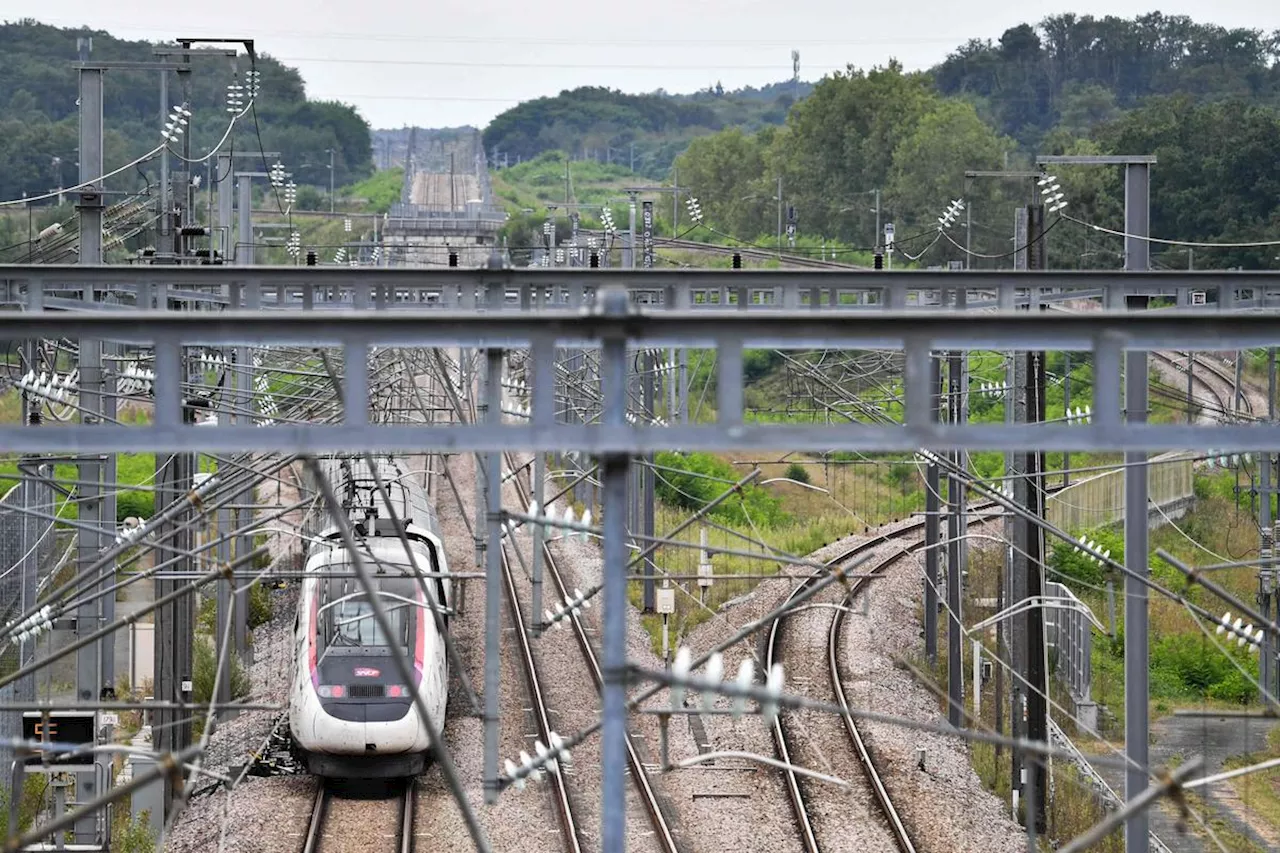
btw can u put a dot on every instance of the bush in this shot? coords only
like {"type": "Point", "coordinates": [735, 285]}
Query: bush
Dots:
{"type": "Point", "coordinates": [1077, 570]}
{"type": "Point", "coordinates": [696, 479]}
{"type": "Point", "coordinates": [797, 472]}
{"type": "Point", "coordinates": [259, 605]}
{"type": "Point", "coordinates": [259, 610]}
{"type": "Point", "coordinates": [135, 504]}
{"type": "Point", "coordinates": [204, 668]}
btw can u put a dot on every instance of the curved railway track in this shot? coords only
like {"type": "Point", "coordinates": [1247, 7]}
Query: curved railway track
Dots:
{"type": "Point", "coordinates": [339, 825]}
{"type": "Point", "coordinates": [663, 833]}
{"type": "Point", "coordinates": [1223, 389]}
{"type": "Point", "coordinates": [773, 652]}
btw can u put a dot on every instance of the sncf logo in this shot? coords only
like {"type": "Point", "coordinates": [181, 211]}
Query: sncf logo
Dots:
{"type": "Point", "coordinates": [367, 672]}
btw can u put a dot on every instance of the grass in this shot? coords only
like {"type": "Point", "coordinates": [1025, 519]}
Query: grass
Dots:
{"type": "Point", "coordinates": [860, 496]}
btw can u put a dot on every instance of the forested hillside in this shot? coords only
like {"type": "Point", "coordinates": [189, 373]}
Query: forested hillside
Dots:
{"type": "Point", "coordinates": [1076, 70]}
{"type": "Point", "coordinates": [39, 125]}
{"type": "Point", "coordinates": [610, 126]}
{"type": "Point", "coordinates": [1204, 100]}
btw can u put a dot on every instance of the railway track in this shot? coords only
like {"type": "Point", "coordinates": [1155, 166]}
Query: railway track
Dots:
{"type": "Point", "coordinates": [1222, 389]}
{"type": "Point", "coordinates": [663, 833]}
{"type": "Point", "coordinates": [343, 825]}
{"type": "Point", "coordinates": [757, 255]}
{"type": "Point", "coordinates": [537, 697]}
{"type": "Point", "coordinates": [773, 652]}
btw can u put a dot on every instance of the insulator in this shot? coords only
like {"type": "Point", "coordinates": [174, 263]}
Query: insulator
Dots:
{"type": "Point", "coordinates": [679, 672]}
{"type": "Point", "coordinates": [746, 674]}
{"type": "Point", "coordinates": [714, 674]}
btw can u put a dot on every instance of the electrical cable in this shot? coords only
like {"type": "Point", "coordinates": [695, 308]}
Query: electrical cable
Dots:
{"type": "Point", "coordinates": [1259, 244]}
{"type": "Point", "coordinates": [83, 184]}
{"type": "Point", "coordinates": [1044, 233]}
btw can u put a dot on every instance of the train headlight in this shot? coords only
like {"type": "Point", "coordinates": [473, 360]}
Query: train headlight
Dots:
{"type": "Point", "coordinates": [330, 691]}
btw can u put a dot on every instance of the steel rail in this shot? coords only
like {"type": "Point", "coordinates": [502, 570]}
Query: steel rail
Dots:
{"type": "Point", "coordinates": [1223, 411]}
{"type": "Point", "coordinates": [313, 839]}
{"type": "Point", "coordinates": [560, 789]}
{"type": "Point", "coordinates": [640, 776]}
{"type": "Point", "coordinates": [407, 802]}
{"type": "Point", "coordinates": [773, 654]}
{"type": "Point", "coordinates": [315, 826]}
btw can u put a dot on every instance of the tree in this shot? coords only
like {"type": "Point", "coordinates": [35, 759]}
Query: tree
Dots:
{"type": "Point", "coordinates": [723, 170]}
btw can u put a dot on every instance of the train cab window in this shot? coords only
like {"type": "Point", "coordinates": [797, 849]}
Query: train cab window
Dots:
{"type": "Point", "coordinates": [350, 623]}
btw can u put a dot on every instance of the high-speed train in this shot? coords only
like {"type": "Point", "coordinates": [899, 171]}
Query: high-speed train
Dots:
{"type": "Point", "coordinates": [351, 715]}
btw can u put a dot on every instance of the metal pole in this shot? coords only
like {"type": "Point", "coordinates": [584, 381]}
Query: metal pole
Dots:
{"type": "Point", "coordinates": [1066, 403]}
{"type": "Point", "coordinates": [493, 582]}
{"type": "Point", "coordinates": [647, 485]}
{"type": "Point", "coordinates": [166, 204]}
{"type": "Point", "coordinates": [630, 260]}
{"type": "Point", "coordinates": [244, 253]}
{"type": "Point", "coordinates": [1266, 571]}
{"type": "Point", "coordinates": [89, 493]}
{"type": "Point", "coordinates": [879, 236]}
{"type": "Point", "coordinates": [539, 532]}
{"type": "Point", "coordinates": [613, 374]}
{"type": "Point", "coordinates": [779, 216]}
{"type": "Point", "coordinates": [932, 537]}
{"type": "Point", "coordinates": [222, 176]}
{"type": "Point", "coordinates": [331, 178]}
{"type": "Point", "coordinates": [1137, 213]}
{"type": "Point", "coordinates": [955, 501]}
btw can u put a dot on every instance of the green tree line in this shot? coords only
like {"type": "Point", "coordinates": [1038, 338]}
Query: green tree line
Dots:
{"type": "Point", "coordinates": [39, 134]}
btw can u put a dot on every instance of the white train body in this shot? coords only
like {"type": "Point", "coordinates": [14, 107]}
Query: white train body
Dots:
{"type": "Point", "coordinates": [351, 715]}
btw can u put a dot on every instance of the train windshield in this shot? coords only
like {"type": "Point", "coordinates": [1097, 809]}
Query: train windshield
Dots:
{"type": "Point", "coordinates": [350, 623]}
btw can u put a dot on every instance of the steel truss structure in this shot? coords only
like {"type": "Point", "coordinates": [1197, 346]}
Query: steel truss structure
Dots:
{"type": "Point", "coordinates": [1106, 336]}
{"type": "Point", "coordinates": [547, 318]}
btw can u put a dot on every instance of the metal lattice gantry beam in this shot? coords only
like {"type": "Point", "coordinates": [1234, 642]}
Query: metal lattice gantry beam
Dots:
{"type": "Point", "coordinates": [335, 288]}
{"type": "Point", "coordinates": [1106, 336]}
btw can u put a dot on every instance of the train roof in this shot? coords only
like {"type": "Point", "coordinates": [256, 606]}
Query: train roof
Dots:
{"type": "Point", "coordinates": [357, 488]}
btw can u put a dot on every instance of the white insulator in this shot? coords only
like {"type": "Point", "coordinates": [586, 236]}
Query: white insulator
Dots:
{"type": "Point", "coordinates": [1248, 632]}
{"type": "Point", "coordinates": [514, 775]}
{"type": "Point", "coordinates": [533, 773]}
{"type": "Point", "coordinates": [586, 522]}
{"type": "Point", "coordinates": [568, 514]}
{"type": "Point", "coordinates": [714, 674]}
{"type": "Point", "coordinates": [1257, 638]}
{"type": "Point", "coordinates": [773, 687]}
{"type": "Point", "coordinates": [1226, 620]}
{"type": "Point", "coordinates": [533, 509]}
{"type": "Point", "coordinates": [562, 754]}
{"type": "Point", "coordinates": [1106, 555]}
{"type": "Point", "coordinates": [679, 672]}
{"type": "Point", "coordinates": [746, 674]}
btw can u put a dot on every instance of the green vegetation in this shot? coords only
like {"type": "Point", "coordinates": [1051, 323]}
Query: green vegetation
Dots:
{"type": "Point", "coordinates": [1187, 665]}
{"type": "Point", "coordinates": [608, 126]}
{"type": "Point", "coordinates": [205, 672]}
{"type": "Point", "coordinates": [693, 480]}
{"type": "Point", "coordinates": [379, 191]}
{"type": "Point", "coordinates": [38, 119]}
{"type": "Point", "coordinates": [131, 834]}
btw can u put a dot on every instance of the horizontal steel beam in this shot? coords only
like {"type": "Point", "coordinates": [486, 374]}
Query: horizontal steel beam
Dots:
{"type": "Point", "coordinates": [37, 288]}
{"type": "Point", "coordinates": [918, 334]}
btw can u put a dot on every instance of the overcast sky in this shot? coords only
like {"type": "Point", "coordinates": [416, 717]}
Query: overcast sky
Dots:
{"type": "Point", "coordinates": [446, 62]}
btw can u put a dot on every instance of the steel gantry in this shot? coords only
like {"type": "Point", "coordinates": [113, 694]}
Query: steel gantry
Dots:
{"type": "Point", "coordinates": [605, 316]}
